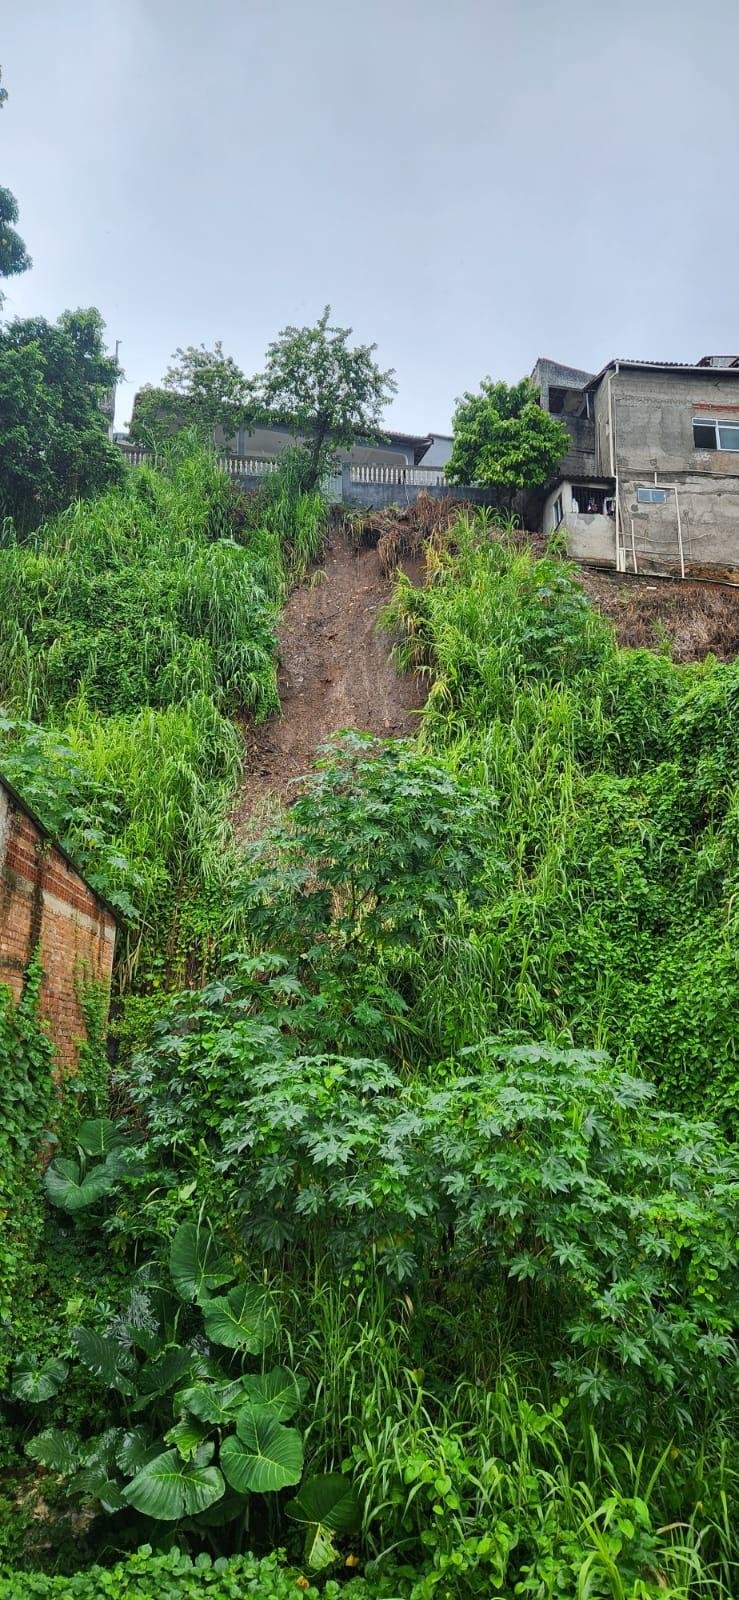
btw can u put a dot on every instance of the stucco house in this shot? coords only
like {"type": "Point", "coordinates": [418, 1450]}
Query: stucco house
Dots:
{"type": "Point", "coordinates": [651, 480]}
{"type": "Point", "coordinates": [394, 449]}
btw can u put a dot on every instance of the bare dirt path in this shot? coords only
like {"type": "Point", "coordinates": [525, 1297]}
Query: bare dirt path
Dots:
{"type": "Point", "coordinates": [335, 673]}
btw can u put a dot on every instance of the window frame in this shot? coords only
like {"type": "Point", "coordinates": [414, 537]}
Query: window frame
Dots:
{"type": "Point", "coordinates": [717, 423]}
{"type": "Point", "coordinates": [558, 512]}
{"type": "Point", "coordinates": [650, 494]}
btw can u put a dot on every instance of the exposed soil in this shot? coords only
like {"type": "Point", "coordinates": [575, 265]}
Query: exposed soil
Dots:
{"type": "Point", "coordinates": [693, 619]}
{"type": "Point", "coordinates": [335, 672]}
{"type": "Point", "coordinates": [336, 669]}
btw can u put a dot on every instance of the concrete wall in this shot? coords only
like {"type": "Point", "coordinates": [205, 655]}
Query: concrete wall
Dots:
{"type": "Point", "coordinates": [439, 451]}
{"type": "Point", "coordinates": [589, 538]}
{"type": "Point", "coordinates": [580, 461]}
{"type": "Point", "coordinates": [653, 443]}
{"type": "Point", "coordinates": [44, 902]}
{"type": "Point", "coordinates": [377, 495]}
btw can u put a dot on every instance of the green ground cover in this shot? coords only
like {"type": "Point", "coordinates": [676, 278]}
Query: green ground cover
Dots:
{"type": "Point", "coordinates": [410, 1245]}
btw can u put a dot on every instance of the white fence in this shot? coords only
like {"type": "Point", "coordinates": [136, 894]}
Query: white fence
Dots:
{"type": "Point", "coordinates": [235, 466]}
{"type": "Point", "coordinates": [418, 477]}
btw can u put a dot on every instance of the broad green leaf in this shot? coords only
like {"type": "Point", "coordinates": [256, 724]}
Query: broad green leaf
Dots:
{"type": "Point", "coordinates": [111, 1497]}
{"type": "Point", "coordinates": [67, 1189]}
{"type": "Point", "coordinates": [56, 1450]}
{"type": "Point", "coordinates": [225, 1510]}
{"type": "Point", "coordinates": [135, 1450]}
{"type": "Point", "coordinates": [212, 1402]}
{"type": "Point", "coordinates": [320, 1551]}
{"type": "Point", "coordinates": [169, 1488]}
{"type": "Point", "coordinates": [245, 1319]}
{"type": "Point", "coordinates": [106, 1357]}
{"type": "Point", "coordinates": [197, 1263]}
{"type": "Point", "coordinates": [156, 1377]}
{"type": "Point", "coordinates": [329, 1499]}
{"type": "Point", "coordinates": [99, 1135]}
{"type": "Point", "coordinates": [263, 1455]}
{"type": "Point", "coordinates": [187, 1435]}
{"type": "Point", "coordinates": [280, 1391]}
{"type": "Point", "coordinates": [36, 1381]}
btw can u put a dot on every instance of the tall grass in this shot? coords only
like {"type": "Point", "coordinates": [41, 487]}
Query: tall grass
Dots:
{"type": "Point", "coordinates": [131, 627]}
{"type": "Point", "coordinates": [502, 1487]}
{"type": "Point", "coordinates": [616, 775]}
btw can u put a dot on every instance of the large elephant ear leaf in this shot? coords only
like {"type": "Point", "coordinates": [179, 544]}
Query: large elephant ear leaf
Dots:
{"type": "Point", "coordinates": [197, 1263]}
{"type": "Point", "coordinates": [326, 1505]}
{"type": "Point", "coordinates": [245, 1319]}
{"type": "Point", "coordinates": [99, 1135]}
{"type": "Point", "coordinates": [330, 1499]}
{"type": "Point", "coordinates": [169, 1488]}
{"type": "Point", "coordinates": [67, 1188]}
{"type": "Point", "coordinates": [106, 1358]}
{"type": "Point", "coordinates": [211, 1402]}
{"type": "Point", "coordinates": [58, 1451]}
{"type": "Point", "coordinates": [36, 1381]}
{"type": "Point", "coordinates": [280, 1390]}
{"type": "Point", "coordinates": [134, 1451]}
{"type": "Point", "coordinates": [262, 1456]}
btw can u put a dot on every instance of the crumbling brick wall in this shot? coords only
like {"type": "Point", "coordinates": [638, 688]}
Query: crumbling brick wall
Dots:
{"type": "Point", "coordinates": [46, 904]}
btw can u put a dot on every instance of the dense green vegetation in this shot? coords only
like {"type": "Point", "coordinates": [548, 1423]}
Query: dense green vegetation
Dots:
{"type": "Point", "coordinates": [409, 1242]}
{"type": "Point", "coordinates": [505, 440]}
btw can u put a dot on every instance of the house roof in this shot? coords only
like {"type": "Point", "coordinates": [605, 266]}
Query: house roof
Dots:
{"type": "Point", "coordinates": [700, 368]}
{"type": "Point", "coordinates": [47, 834]}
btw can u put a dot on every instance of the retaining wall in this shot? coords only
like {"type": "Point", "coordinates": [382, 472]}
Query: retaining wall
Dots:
{"type": "Point", "coordinates": [45, 904]}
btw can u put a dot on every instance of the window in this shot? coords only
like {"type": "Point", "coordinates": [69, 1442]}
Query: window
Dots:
{"type": "Point", "coordinates": [587, 500]}
{"type": "Point", "coordinates": [713, 435]}
{"type": "Point", "coordinates": [558, 511]}
{"type": "Point", "coordinates": [651, 497]}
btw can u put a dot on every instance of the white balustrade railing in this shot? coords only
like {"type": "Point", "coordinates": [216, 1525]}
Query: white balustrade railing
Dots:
{"type": "Point", "coordinates": [417, 477]}
{"type": "Point", "coordinates": [235, 466]}
{"type": "Point", "coordinates": [259, 466]}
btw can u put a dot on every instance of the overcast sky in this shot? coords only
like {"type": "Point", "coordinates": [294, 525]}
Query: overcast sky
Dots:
{"type": "Point", "coordinates": [469, 184]}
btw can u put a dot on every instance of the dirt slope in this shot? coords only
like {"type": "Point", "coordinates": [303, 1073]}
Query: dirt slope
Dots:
{"type": "Point", "coordinates": [692, 619]}
{"type": "Point", "coordinates": [335, 673]}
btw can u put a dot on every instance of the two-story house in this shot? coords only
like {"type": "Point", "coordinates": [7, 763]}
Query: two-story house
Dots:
{"type": "Point", "coordinates": [651, 481]}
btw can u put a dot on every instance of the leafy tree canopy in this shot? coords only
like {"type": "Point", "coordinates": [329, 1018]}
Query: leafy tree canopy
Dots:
{"type": "Point", "coordinates": [14, 257]}
{"type": "Point", "coordinates": [330, 392]}
{"type": "Point", "coordinates": [53, 436]}
{"type": "Point", "coordinates": [503, 438]}
{"type": "Point", "coordinates": [202, 389]}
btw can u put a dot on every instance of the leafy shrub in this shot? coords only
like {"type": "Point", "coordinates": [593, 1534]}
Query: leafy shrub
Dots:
{"type": "Point", "coordinates": [27, 1096]}
{"type": "Point", "coordinates": [194, 1435]}
{"type": "Point", "coordinates": [173, 1575]}
{"type": "Point", "coordinates": [496, 1165]}
{"type": "Point", "coordinates": [616, 775]}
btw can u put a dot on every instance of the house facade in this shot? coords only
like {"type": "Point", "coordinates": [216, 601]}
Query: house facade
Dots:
{"type": "Point", "coordinates": [651, 481]}
{"type": "Point", "coordinates": [394, 450]}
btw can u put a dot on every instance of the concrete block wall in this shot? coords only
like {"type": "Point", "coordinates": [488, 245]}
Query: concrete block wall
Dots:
{"type": "Point", "coordinates": [375, 496]}
{"type": "Point", "coordinates": [44, 902]}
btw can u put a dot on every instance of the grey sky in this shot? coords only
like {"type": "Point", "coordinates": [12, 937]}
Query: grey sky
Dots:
{"type": "Point", "coordinates": [471, 184]}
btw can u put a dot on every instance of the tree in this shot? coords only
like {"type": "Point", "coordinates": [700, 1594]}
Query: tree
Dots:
{"type": "Point", "coordinates": [503, 439]}
{"type": "Point", "coordinates": [329, 393]}
{"type": "Point", "coordinates": [202, 389]}
{"type": "Point", "coordinates": [54, 444]}
{"type": "Point", "coordinates": [14, 257]}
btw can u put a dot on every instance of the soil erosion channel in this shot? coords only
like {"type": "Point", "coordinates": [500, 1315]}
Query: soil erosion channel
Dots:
{"type": "Point", "coordinates": [335, 672]}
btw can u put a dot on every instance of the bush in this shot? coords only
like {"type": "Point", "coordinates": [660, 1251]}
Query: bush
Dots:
{"type": "Point", "coordinates": [173, 1575]}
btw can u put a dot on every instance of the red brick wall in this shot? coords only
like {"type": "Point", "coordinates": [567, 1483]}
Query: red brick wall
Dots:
{"type": "Point", "coordinates": [44, 901]}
